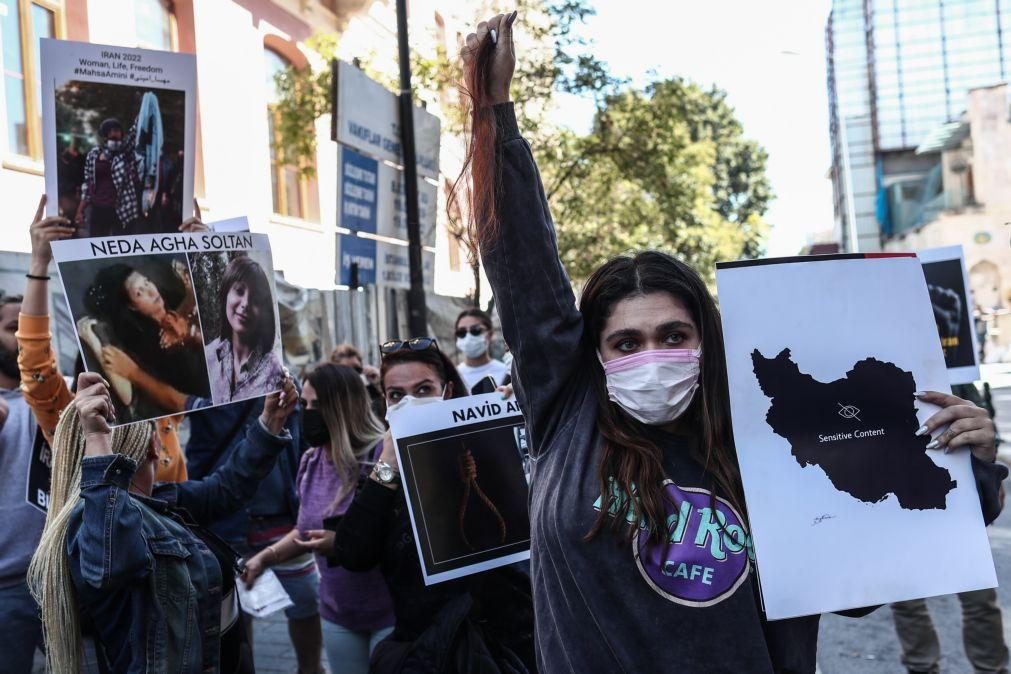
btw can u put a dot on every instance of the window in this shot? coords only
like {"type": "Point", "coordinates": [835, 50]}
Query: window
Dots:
{"type": "Point", "coordinates": [23, 24]}
{"type": "Point", "coordinates": [154, 24]}
{"type": "Point", "coordinates": [294, 195]}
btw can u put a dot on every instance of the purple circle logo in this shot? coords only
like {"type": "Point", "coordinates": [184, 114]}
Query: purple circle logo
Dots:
{"type": "Point", "coordinates": [706, 553]}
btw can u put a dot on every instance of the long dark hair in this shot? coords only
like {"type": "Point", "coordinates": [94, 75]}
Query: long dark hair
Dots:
{"type": "Point", "coordinates": [244, 269]}
{"type": "Point", "coordinates": [435, 359]}
{"type": "Point", "coordinates": [107, 297]}
{"type": "Point", "coordinates": [630, 457]}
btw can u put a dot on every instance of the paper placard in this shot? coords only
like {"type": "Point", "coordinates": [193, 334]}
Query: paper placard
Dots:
{"type": "Point", "coordinates": [951, 300]}
{"type": "Point", "coordinates": [267, 595]}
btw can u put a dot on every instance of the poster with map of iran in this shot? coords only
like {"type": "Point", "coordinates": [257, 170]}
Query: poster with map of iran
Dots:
{"type": "Point", "coordinates": [847, 506]}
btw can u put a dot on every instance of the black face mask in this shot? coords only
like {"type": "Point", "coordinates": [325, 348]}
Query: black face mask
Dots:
{"type": "Point", "coordinates": [314, 429]}
{"type": "Point", "coordinates": [9, 363]}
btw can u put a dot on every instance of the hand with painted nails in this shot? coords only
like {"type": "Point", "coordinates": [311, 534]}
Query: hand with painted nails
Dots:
{"type": "Point", "coordinates": [496, 36]}
{"type": "Point", "coordinates": [965, 424]}
{"type": "Point", "coordinates": [279, 405]}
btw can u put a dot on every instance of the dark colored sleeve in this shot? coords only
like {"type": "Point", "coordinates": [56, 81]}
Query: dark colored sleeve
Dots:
{"type": "Point", "coordinates": [108, 544]}
{"type": "Point", "coordinates": [232, 485]}
{"type": "Point", "coordinates": [533, 294]}
{"type": "Point", "coordinates": [989, 477]}
{"type": "Point", "coordinates": [364, 528]}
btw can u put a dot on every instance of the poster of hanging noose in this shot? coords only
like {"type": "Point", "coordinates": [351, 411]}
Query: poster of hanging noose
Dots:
{"type": "Point", "coordinates": [463, 468]}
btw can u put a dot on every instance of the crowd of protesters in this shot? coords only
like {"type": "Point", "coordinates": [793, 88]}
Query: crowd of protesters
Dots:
{"type": "Point", "coordinates": [136, 565]}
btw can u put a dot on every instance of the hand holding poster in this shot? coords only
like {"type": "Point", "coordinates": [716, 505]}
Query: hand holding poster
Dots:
{"type": "Point", "coordinates": [462, 465]}
{"type": "Point", "coordinates": [118, 136]}
{"type": "Point", "coordinates": [175, 321]}
{"type": "Point", "coordinates": [951, 300]}
{"type": "Point", "coordinates": [846, 502]}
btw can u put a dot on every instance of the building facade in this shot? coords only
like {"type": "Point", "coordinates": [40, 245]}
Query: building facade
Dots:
{"type": "Point", "coordinates": [239, 45]}
{"type": "Point", "coordinates": [897, 69]}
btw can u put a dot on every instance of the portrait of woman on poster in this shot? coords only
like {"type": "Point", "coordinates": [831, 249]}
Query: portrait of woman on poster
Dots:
{"type": "Point", "coordinates": [146, 312]}
{"type": "Point", "coordinates": [241, 362]}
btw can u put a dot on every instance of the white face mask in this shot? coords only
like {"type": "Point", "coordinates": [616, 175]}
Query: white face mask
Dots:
{"type": "Point", "coordinates": [411, 401]}
{"type": "Point", "coordinates": [654, 387]}
{"type": "Point", "coordinates": [472, 346]}
{"type": "Point", "coordinates": [112, 145]}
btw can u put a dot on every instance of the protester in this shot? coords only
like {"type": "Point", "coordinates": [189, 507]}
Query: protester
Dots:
{"type": "Point", "coordinates": [982, 621]}
{"type": "Point", "coordinates": [473, 339]}
{"type": "Point", "coordinates": [596, 437]}
{"type": "Point", "coordinates": [215, 436]}
{"type": "Point", "coordinates": [130, 561]}
{"type": "Point", "coordinates": [345, 438]}
{"type": "Point", "coordinates": [482, 622]}
{"type": "Point", "coordinates": [349, 356]}
{"type": "Point", "coordinates": [242, 358]}
{"type": "Point", "coordinates": [22, 523]}
{"type": "Point", "coordinates": [110, 203]}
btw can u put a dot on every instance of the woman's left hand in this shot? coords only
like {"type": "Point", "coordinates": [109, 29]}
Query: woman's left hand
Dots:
{"type": "Point", "coordinates": [506, 391]}
{"type": "Point", "coordinates": [194, 224]}
{"type": "Point", "coordinates": [277, 406]}
{"type": "Point", "coordinates": [116, 361]}
{"type": "Point", "coordinates": [319, 541]}
{"type": "Point", "coordinates": [969, 425]}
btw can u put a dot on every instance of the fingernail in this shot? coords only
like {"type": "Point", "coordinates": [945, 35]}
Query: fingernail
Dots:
{"type": "Point", "coordinates": [494, 36]}
{"type": "Point", "coordinates": [922, 430]}
{"type": "Point", "coordinates": [947, 450]}
{"type": "Point", "coordinates": [919, 394]}
{"type": "Point", "coordinates": [932, 444]}
{"type": "Point", "coordinates": [513, 15]}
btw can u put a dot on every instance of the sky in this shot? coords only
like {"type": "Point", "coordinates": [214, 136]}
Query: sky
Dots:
{"type": "Point", "coordinates": [768, 56]}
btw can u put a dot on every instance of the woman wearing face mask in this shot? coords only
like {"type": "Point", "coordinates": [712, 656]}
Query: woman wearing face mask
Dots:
{"type": "Point", "coordinates": [481, 622]}
{"type": "Point", "coordinates": [640, 551]}
{"type": "Point", "coordinates": [110, 183]}
{"type": "Point", "coordinates": [473, 339]}
{"type": "Point", "coordinates": [345, 441]}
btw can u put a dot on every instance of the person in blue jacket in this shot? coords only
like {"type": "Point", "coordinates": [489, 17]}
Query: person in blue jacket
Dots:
{"type": "Point", "coordinates": [132, 562]}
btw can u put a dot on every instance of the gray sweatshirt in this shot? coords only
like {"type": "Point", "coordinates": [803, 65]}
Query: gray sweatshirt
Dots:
{"type": "Point", "coordinates": [603, 606]}
{"type": "Point", "coordinates": [22, 524]}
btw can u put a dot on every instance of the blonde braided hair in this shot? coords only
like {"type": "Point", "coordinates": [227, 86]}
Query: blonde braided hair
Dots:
{"type": "Point", "coordinates": [49, 572]}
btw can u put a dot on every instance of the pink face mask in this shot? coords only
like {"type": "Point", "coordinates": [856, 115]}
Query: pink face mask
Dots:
{"type": "Point", "coordinates": [656, 386]}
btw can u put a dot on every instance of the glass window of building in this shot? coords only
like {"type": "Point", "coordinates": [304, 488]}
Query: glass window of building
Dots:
{"type": "Point", "coordinates": [294, 194]}
{"type": "Point", "coordinates": [22, 24]}
{"type": "Point", "coordinates": [154, 24]}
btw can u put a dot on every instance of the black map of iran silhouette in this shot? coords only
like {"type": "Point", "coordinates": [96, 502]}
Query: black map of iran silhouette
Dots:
{"type": "Point", "coordinates": [860, 430]}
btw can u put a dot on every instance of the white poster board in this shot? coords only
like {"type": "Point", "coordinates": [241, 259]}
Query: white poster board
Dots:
{"type": "Point", "coordinates": [368, 119]}
{"type": "Point", "coordinates": [847, 507]}
{"type": "Point", "coordinates": [162, 316]}
{"type": "Point", "coordinates": [951, 300]}
{"type": "Point", "coordinates": [462, 463]}
{"type": "Point", "coordinates": [152, 96]}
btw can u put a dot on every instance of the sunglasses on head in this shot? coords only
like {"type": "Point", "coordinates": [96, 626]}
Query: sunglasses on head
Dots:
{"type": "Point", "coordinates": [477, 330]}
{"type": "Point", "coordinates": [414, 344]}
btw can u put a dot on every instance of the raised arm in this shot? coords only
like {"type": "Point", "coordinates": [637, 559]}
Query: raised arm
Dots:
{"type": "Point", "coordinates": [533, 294]}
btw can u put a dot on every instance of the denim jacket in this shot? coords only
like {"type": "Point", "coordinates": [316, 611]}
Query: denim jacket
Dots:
{"type": "Point", "coordinates": [147, 583]}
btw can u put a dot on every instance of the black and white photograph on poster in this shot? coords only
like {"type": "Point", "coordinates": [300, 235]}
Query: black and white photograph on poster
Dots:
{"type": "Point", "coordinates": [951, 300]}
{"type": "Point", "coordinates": [239, 314]}
{"type": "Point", "coordinates": [40, 470]}
{"type": "Point", "coordinates": [462, 466]}
{"type": "Point", "coordinates": [118, 137]}
{"type": "Point", "coordinates": [822, 367]}
{"type": "Point", "coordinates": [146, 308]}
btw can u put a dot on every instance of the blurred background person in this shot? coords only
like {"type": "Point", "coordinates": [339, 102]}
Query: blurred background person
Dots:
{"type": "Point", "coordinates": [473, 339]}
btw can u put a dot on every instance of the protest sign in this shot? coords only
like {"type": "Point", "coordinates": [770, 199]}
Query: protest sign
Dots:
{"type": "Point", "coordinates": [462, 464]}
{"type": "Point", "coordinates": [240, 224]}
{"type": "Point", "coordinates": [175, 321]}
{"type": "Point", "coordinates": [40, 469]}
{"type": "Point", "coordinates": [844, 500]}
{"type": "Point", "coordinates": [118, 131]}
{"type": "Point", "coordinates": [951, 300]}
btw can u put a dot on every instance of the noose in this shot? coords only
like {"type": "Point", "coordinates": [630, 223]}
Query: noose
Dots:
{"type": "Point", "coordinates": [468, 473]}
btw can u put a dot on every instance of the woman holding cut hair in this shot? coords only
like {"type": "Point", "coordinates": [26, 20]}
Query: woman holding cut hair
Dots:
{"type": "Point", "coordinates": [627, 395]}
{"type": "Point", "coordinates": [241, 361]}
{"type": "Point", "coordinates": [482, 622]}
{"type": "Point", "coordinates": [345, 439]}
{"type": "Point", "coordinates": [129, 561]}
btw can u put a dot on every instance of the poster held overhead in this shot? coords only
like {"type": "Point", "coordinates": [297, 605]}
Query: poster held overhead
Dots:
{"type": "Point", "coordinates": [951, 300]}
{"type": "Point", "coordinates": [845, 501]}
{"type": "Point", "coordinates": [175, 321]}
{"type": "Point", "coordinates": [118, 131]}
{"type": "Point", "coordinates": [462, 464]}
